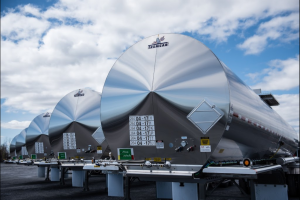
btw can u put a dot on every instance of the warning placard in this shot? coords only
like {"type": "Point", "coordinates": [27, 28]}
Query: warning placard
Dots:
{"type": "Point", "coordinates": [205, 141]}
{"type": "Point", "coordinates": [205, 144]}
{"type": "Point", "coordinates": [205, 148]}
{"type": "Point", "coordinates": [99, 150]}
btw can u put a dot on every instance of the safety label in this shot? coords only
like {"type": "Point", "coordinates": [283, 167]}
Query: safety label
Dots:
{"type": "Point", "coordinates": [39, 147]}
{"type": "Point", "coordinates": [99, 150]}
{"type": "Point", "coordinates": [62, 155]}
{"type": "Point", "coordinates": [125, 154]}
{"type": "Point", "coordinates": [33, 156]}
{"type": "Point", "coordinates": [205, 141]}
{"type": "Point", "coordinates": [142, 130]}
{"type": "Point", "coordinates": [205, 144]}
{"type": "Point", "coordinates": [69, 141]}
{"type": "Point", "coordinates": [24, 151]}
{"type": "Point", "coordinates": [205, 148]}
{"type": "Point", "coordinates": [160, 144]}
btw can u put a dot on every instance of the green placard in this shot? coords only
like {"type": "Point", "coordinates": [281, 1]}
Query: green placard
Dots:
{"type": "Point", "coordinates": [20, 157]}
{"type": "Point", "coordinates": [14, 158]}
{"type": "Point", "coordinates": [125, 154]}
{"type": "Point", "coordinates": [62, 155]}
{"type": "Point", "coordinates": [33, 156]}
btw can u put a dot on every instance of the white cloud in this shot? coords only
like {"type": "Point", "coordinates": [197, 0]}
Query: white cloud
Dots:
{"type": "Point", "coordinates": [289, 109]}
{"type": "Point", "coordinates": [281, 75]}
{"type": "Point", "coordinates": [285, 28]}
{"type": "Point", "coordinates": [16, 26]}
{"type": "Point", "coordinates": [14, 124]}
{"type": "Point", "coordinates": [73, 44]}
{"type": "Point", "coordinates": [30, 9]}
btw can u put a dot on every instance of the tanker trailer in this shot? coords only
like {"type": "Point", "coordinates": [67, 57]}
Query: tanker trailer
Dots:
{"type": "Point", "coordinates": [37, 139]}
{"type": "Point", "coordinates": [21, 150]}
{"type": "Point", "coordinates": [75, 132]}
{"type": "Point", "coordinates": [169, 103]}
{"type": "Point", "coordinates": [12, 149]}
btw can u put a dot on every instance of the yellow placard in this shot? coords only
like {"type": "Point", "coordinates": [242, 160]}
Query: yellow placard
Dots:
{"type": "Point", "coordinates": [205, 141]}
{"type": "Point", "coordinates": [168, 159]}
{"type": "Point", "coordinates": [147, 158]}
{"type": "Point", "coordinates": [96, 166]}
{"type": "Point", "coordinates": [81, 157]}
{"type": "Point", "coordinates": [157, 159]}
{"type": "Point", "coordinates": [77, 157]}
{"type": "Point", "coordinates": [99, 148]}
{"type": "Point", "coordinates": [221, 150]}
{"type": "Point", "coordinates": [72, 157]}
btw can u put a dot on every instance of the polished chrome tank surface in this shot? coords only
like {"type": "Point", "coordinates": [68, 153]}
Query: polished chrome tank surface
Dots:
{"type": "Point", "coordinates": [73, 124]}
{"type": "Point", "coordinates": [12, 146]}
{"type": "Point", "coordinates": [37, 139]}
{"type": "Point", "coordinates": [20, 141]}
{"type": "Point", "coordinates": [152, 103]}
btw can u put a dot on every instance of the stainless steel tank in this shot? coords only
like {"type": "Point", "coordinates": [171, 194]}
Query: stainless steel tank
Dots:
{"type": "Point", "coordinates": [37, 139]}
{"type": "Point", "coordinates": [168, 97]}
{"type": "Point", "coordinates": [74, 126]}
{"type": "Point", "coordinates": [12, 147]}
{"type": "Point", "coordinates": [20, 143]}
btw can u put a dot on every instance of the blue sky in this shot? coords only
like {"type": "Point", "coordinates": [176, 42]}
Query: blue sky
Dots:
{"type": "Point", "coordinates": [52, 47]}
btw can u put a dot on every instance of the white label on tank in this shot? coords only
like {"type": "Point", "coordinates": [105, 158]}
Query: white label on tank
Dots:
{"type": "Point", "coordinates": [205, 148]}
{"type": "Point", "coordinates": [183, 137]}
{"type": "Point", "coordinates": [24, 151]}
{"type": "Point", "coordinates": [39, 147]}
{"type": "Point", "coordinates": [78, 150]}
{"type": "Point", "coordinates": [69, 141]}
{"type": "Point", "coordinates": [142, 130]}
{"type": "Point", "coordinates": [160, 144]}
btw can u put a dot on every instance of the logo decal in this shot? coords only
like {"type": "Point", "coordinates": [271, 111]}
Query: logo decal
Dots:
{"type": "Point", "coordinates": [79, 93]}
{"type": "Point", "coordinates": [158, 43]}
{"type": "Point", "coordinates": [47, 114]}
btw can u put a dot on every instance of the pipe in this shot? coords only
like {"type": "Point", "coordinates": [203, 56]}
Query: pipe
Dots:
{"type": "Point", "coordinates": [284, 161]}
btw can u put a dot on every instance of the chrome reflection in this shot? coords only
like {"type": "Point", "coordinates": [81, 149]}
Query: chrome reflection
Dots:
{"type": "Point", "coordinates": [20, 141]}
{"type": "Point", "coordinates": [12, 146]}
{"type": "Point", "coordinates": [74, 122]}
{"type": "Point", "coordinates": [168, 82]}
{"type": "Point", "coordinates": [37, 139]}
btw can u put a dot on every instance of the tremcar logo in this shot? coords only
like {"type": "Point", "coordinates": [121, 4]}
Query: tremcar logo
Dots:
{"type": "Point", "coordinates": [158, 43]}
{"type": "Point", "coordinates": [79, 93]}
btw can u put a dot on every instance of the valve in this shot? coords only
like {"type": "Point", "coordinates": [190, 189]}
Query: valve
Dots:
{"type": "Point", "coordinates": [148, 164]}
{"type": "Point", "coordinates": [168, 164]}
{"type": "Point", "coordinates": [190, 149]}
{"type": "Point", "coordinates": [178, 149]}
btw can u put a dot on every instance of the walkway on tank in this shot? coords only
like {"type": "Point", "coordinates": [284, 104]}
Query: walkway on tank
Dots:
{"type": "Point", "coordinates": [21, 182]}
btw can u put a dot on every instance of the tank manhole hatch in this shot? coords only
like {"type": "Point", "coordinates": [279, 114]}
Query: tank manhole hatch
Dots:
{"type": "Point", "coordinates": [205, 116]}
